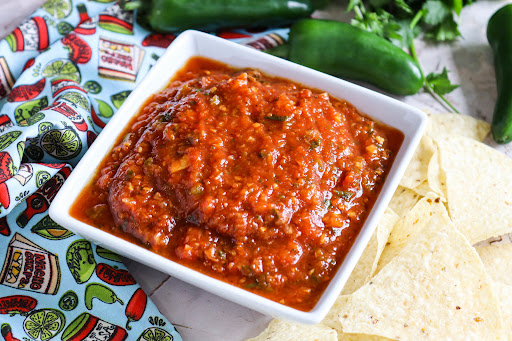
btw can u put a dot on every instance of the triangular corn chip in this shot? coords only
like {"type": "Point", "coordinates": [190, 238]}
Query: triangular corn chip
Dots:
{"type": "Point", "coordinates": [410, 225]}
{"type": "Point", "coordinates": [497, 259]}
{"type": "Point", "coordinates": [367, 264]}
{"type": "Point", "coordinates": [479, 187]}
{"type": "Point", "coordinates": [457, 124]}
{"type": "Point", "coordinates": [280, 330]}
{"type": "Point", "coordinates": [436, 289]}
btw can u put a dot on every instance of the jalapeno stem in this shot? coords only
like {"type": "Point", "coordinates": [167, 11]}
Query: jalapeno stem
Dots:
{"type": "Point", "coordinates": [412, 50]}
{"type": "Point", "coordinates": [437, 97]}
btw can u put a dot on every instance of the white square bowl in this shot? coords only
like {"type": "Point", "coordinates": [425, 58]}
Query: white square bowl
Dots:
{"type": "Point", "coordinates": [408, 120]}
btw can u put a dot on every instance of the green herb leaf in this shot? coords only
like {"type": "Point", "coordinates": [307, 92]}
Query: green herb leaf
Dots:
{"type": "Point", "coordinates": [440, 82]}
{"type": "Point", "coordinates": [403, 35]}
{"type": "Point", "coordinates": [345, 195]}
{"type": "Point", "coordinates": [403, 6]}
{"type": "Point", "coordinates": [446, 31]}
{"type": "Point", "coordinates": [436, 12]}
{"type": "Point", "coordinates": [354, 3]}
{"type": "Point", "coordinates": [374, 22]}
{"type": "Point", "coordinates": [457, 5]}
{"type": "Point", "coordinates": [314, 144]}
{"type": "Point", "coordinates": [276, 118]}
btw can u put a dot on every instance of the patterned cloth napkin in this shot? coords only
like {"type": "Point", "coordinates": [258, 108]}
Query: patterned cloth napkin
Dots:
{"type": "Point", "coordinates": [63, 73]}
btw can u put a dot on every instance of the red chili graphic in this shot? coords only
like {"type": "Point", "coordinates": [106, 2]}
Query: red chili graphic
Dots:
{"type": "Point", "coordinates": [6, 166]}
{"type": "Point", "coordinates": [5, 199]}
{"type": "Point", "coordinates": [158, 39]}
{"type": "Point", "coordinates": [90, 137]}
{"type": "Point", "coordinates": [52, 165]}
{"type": "Point", "coordinates": [6, 332]}
{"type": "Point", "coordinates": [96, 119]}
{"type": "Point", "coordinates": [233, 35]}
{"type": "Point", "coordinates": [79, 51]}
{"type": "Point", "coordinates": [26, 92]}
{"type": "Point", "coordinates": [136, 307]}
{"type": "Point", "coordinates": [4, 227]}
{"type": "Point", "coordinates": [114, 276]}
{"type": "Point", "coordinates": [40, 200]}
{"type": "Point", "coordinates": [29, 63]}
{"type": "Point", "coordinates": [17, 304]}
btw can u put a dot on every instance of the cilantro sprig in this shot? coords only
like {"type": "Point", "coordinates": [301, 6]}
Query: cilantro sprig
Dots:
{"type": "Point", "coordinates": [401, 21]}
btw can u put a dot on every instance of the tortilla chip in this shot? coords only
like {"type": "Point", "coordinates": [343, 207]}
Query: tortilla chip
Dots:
{"type": "Point", "coordinates": [497, 259]}
{"type": "Point", "coordinates": [410, 225]}
{"type": "Point", "coordinates": [360, 337]}
{"type": "Point", "coordinates": [424, 189]}
{"type": "Point", "coordinates": [279, 330]}
{"type": "Point", "coordinates": [332, 320]}
{"type": "Point", "coordinates": [403, 200]}
{"type": "Point", "coordinates": [504, 293]}
{"type": "Point", "coordinates": [436, 178]}
{"type": "Point", "coordinates": [457, 124]}
{"type": "Point", "coordinates": [479, 187]}
{"type": "Point", "coordinates": [436, 288]}
{"type": "Point", "coordinates": [367, 264]}
{"type": "Point", "coordinates": [417, 170]}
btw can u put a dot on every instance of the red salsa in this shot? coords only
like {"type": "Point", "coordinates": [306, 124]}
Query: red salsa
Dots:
{"type": "Point", "coordinates": [251, 179]}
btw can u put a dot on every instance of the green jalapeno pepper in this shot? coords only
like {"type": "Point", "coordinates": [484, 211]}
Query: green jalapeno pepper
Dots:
{"type": "Point", "coordinates": [499, 35]}
{"type": "Point", "coordinates": [210, 15]}
{"type": "Point", "coordinates": [101, 292]}
{"type": "Point", "coordinates": [346, 51]}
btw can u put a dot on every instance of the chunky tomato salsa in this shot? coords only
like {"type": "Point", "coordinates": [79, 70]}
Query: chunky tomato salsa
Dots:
{"type": "Point", "coordinates": [251, 179]}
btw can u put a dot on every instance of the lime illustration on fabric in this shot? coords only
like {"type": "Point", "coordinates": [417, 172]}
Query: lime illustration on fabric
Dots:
{"type": "Point", "coordinates": [44, 324]}
{"type": "Point", "coordinates": [68, 301]}
{"type": "Point", "coordinates": [64, 72]}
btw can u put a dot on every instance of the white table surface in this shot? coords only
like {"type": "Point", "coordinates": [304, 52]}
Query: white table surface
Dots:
{"type": "Point", "coordinates": [199, 315]}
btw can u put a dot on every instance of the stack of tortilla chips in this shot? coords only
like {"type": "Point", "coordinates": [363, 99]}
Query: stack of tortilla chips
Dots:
{"type": "Point", "coordinates": [433, 268]}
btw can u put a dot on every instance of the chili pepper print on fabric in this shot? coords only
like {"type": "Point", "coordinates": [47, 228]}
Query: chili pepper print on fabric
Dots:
{"type": "Point", "coordinates": [64, 72]}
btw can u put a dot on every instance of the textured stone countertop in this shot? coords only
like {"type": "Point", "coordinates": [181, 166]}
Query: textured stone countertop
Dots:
{"type": "Point", "coordinates": [199, 315]}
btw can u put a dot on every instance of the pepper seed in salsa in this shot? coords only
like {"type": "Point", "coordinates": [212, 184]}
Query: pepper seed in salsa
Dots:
{"type": "Point", "coordinates": [251, 179]}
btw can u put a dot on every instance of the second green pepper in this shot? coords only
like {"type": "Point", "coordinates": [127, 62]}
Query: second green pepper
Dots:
{"type": "Point", "coordinates": [346, 51]}
{"type": "Point", "coordinates": [499, 35]}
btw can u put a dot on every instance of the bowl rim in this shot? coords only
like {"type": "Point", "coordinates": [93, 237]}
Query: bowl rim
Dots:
{"type": "Point", "coordinates": [199, 43]}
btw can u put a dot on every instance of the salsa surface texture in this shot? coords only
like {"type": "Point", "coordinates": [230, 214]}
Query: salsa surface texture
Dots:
{"type": "Point", "coordinates": [251, 179]}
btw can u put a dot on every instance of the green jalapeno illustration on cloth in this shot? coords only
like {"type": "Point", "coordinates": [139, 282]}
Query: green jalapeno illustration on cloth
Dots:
{"type": "Point", "coordinates": [101, 292]}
